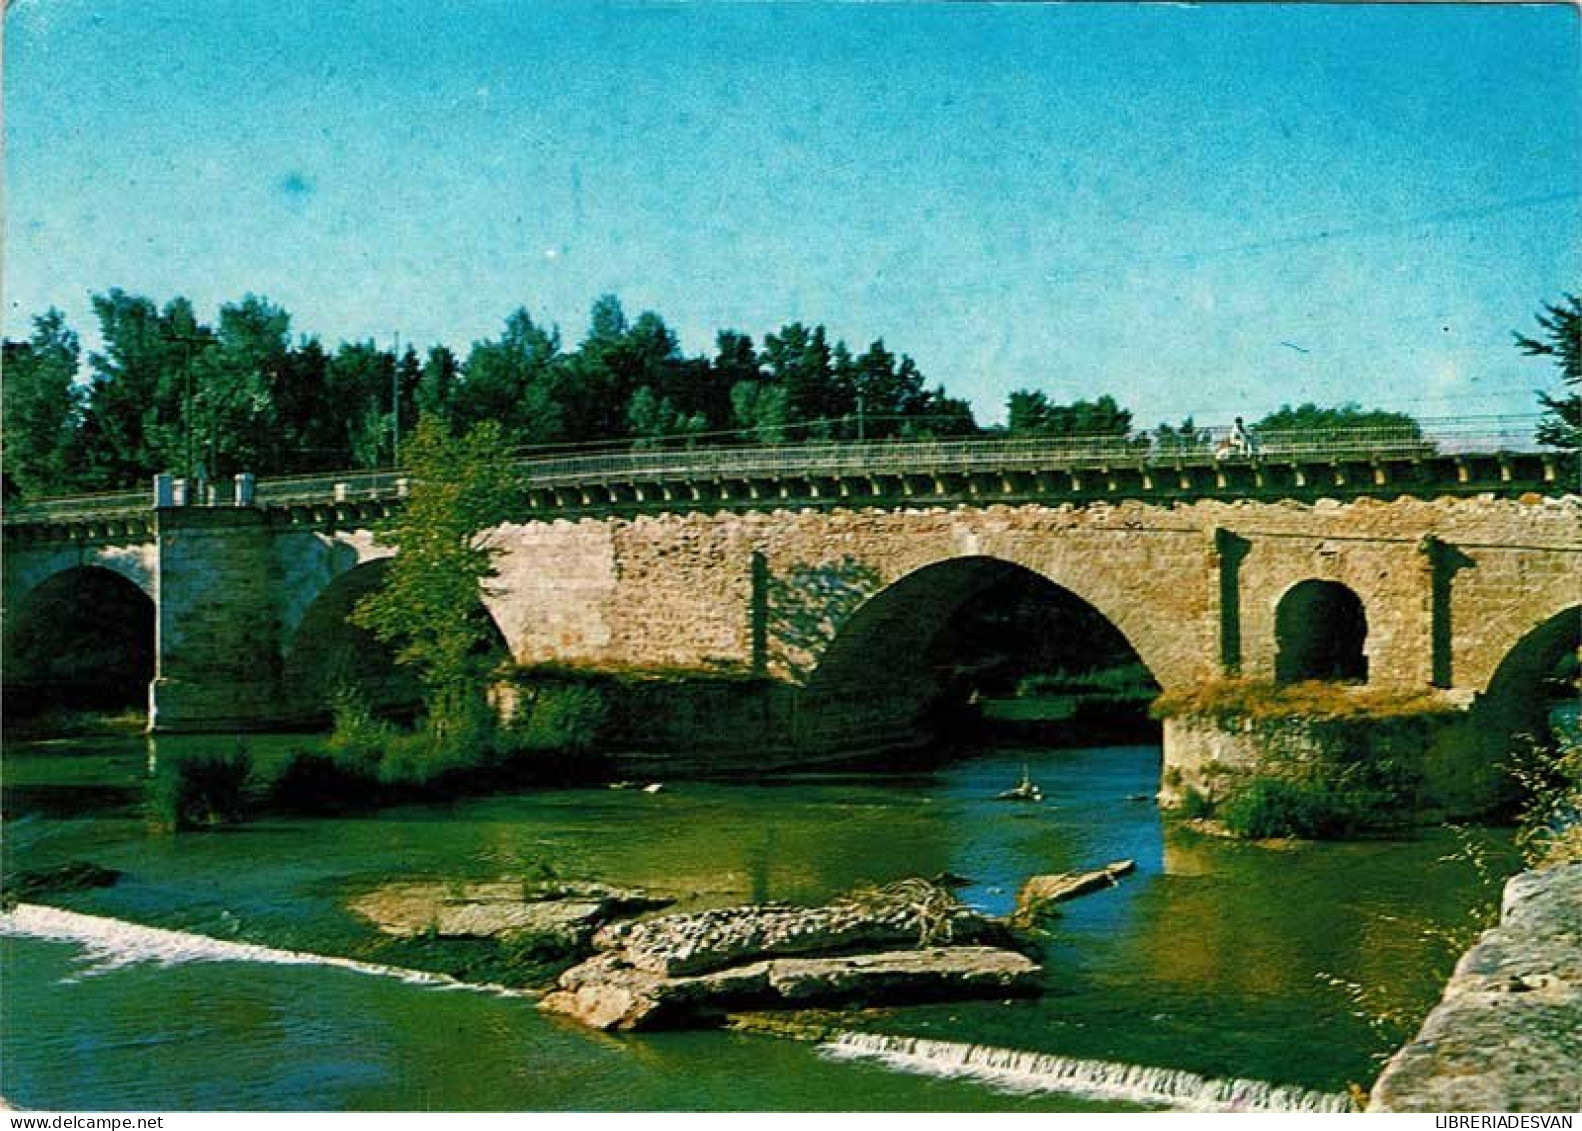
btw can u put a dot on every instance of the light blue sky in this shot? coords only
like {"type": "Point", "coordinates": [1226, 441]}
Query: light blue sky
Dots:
{"type": "Point", "coordinates": [1158, 202]}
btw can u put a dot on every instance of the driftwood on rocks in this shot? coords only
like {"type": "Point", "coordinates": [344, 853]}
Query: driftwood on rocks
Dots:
{"type": "Point", "coordinates": [892, 944]}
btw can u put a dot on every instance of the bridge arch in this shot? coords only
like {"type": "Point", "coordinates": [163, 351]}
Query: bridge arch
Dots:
{"type": "Point", "coordinates": [1320, 632]}
{"type": "Point", "coordinates": [85, 637]}
{"type": "Point", "coordinates": [890, 669]}
{"type": "Point", "coordinates": [1524, 685]}
{"type": "Point", "coordinates": [327, 652]}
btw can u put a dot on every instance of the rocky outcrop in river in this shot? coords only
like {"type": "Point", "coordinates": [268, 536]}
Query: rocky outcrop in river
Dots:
{"type": "Point", "coordinates": [1507, 1036]}
{"type": "Point", "coordinates": [561, 915]}
{"type": "Point", "coordinates": [681, 969]}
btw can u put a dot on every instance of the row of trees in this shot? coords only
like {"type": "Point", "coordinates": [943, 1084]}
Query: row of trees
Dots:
{"type": "Point", "coordinates": [167, 392]}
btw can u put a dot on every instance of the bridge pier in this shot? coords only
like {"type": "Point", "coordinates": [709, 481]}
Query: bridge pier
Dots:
{"type": "Point", "coordinates": [218, 662]}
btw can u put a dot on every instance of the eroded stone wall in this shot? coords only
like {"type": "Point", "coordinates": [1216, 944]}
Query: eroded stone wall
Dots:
{"type": "Point", "coordinates": [769, 590]}
{"type": "Point", "coordinates": [218, 648]}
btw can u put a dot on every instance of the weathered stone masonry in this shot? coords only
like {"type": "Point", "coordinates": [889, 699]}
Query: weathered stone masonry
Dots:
{"type": "Point", "coordinates": [834, 605]}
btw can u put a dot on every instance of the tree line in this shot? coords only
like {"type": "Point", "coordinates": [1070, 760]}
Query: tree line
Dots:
{"type": "Point", "coordinates": [167, 391]}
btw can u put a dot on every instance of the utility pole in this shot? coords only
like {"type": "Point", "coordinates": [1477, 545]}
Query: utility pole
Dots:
{"type": "Point", "coordinates": [188, 341]}
{"type": "Point", "coordinates": [395, 405]}
{"type": "Point", "coordinates": [860, 429]}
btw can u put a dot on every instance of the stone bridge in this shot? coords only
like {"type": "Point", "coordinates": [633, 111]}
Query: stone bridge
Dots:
{"type": "Point", "coordinates": [799, 604]}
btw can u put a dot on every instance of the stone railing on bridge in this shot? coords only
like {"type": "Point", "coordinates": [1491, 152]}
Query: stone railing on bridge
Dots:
{"type": "Point", "coordinates": [1460, 454]}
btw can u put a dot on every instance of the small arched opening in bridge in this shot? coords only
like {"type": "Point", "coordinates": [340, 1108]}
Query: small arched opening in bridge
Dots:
{"type": "Point", "coordinates": [972, 649]}
{"type": "Point", "coordinates": [328, 654]}
{"type": "Point", "coordinates": [84, 639]}
{"type": "Point", "coordinates": [1321, 630]}
{"type": "Point", "coordinates": [1534, 691]}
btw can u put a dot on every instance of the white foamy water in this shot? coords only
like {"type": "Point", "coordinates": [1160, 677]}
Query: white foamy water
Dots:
{"type": "Point", "coordinates": [1018, 1070]}
{"type": "Point", "coordinates": [109, 944]}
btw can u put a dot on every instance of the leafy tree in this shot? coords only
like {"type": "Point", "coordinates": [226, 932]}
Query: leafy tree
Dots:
{"type": "Point", "coordinates": [307, 437]}
{"type": "Point", "coordinates": [42, 406]}
{"type": "Point", "coordinates": [889, 392]}
{"type": "Point", "coordinates": [137, 415]}
{"type": "Point", "coordinates": [1182, 438]}
{"type": "Point", "coordinates": [654, 419]}
{"type": "Point", "coordinates": [1311, 419]}
{"type": "Point", "coordinates": [1561, 339]}
{"type": "Point", "coordinates": [436, 387]}
{"type": "Point", "coordinates": [942, 415]}
{"type": "Point", "coordinates": [515, 380]}
{"type": "Point", "coordinates": [234, 380]}
{"type": "Point", "coordinates": [409, 374]}
{"type": "Point", "coordinates": [615, 360]}
{"type": "Point", "coordinates": [355, 400]}
{"type": "Point", "coordinates": [762, 411]}
{"type": "Point", "coordinates": [1030, 413]}
{"type": "Point", "coordinates": [801, 361]}
{"type": "Point", "coordinates": [429, 606]}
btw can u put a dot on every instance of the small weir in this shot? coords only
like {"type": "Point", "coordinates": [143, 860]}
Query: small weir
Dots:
{"type": "Point", "coordinates": [110, 944]}
{"type": "Point", "coordinates": [1094, 1079]}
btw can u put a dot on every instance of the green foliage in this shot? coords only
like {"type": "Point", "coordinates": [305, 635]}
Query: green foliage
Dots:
{"type": "Point", "coordinates": [1276, 807]}
{"type": "Point", "coordinates": [429, 606]}
{"type": "Point", "coordinates": [42, 406]}
{"type": "Point", "coordinates": [1030, 413]}
{"type": "Point", "coordinates": [1181, 440]}
{"type": "Point", "coordinates": [559, 717]}
{"type": "Point", "coordinates": [169, 393]}
{"type": "Point", "coordinates": [1315, 422]}
{"type": "Point", "coordinates": [1549, 821]}
{"type": "Point", "coordinates": [196, 791]}
{"type": "Point", "coordinates": [1127, 679]}
{"type": "Point", "coordinates": [1560, 338]}
{"type": "Point", "coordinates": [356, 736]}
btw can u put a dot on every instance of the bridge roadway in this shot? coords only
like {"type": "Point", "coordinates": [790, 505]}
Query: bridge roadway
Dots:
{"type": "Point", "coordinates": [1452, 455]}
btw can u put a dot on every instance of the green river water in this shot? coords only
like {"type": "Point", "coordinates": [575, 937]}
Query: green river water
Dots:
{"type": "Point", "coordinates": [1208, 959]}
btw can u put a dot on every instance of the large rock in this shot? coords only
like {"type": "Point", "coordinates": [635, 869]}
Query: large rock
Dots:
{"type": "Point", "coordinates": [908, 940]}
{"type": "Point", "coordinates": [563, 914]}
{"type": "Point", "coordinates": [676, 945]}
{"type": "Point", "coordinates": [1507, 1036]}
{"type": "Point", "coordinates": [607, 993]}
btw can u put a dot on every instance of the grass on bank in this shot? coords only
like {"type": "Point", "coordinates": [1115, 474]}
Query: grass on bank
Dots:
{"type": "Point", "coordinates": [1319, 700]}
{"type": "Point", "coordinates": [366, 761]}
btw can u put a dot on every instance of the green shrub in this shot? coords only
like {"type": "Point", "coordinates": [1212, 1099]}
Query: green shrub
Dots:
{"type": "Point", "coordinates": [1549, 822]}
{"type": "Point", "coordinates": [1193, 805]}
{"type": "Point", "coordinates": [199, 790]}
{"type": "Point", "coordinates": [356, 735]}
{"type": "Point", "coordinates": [1271, 807]}
{"type": "Point", "coordinates": [559, 717]}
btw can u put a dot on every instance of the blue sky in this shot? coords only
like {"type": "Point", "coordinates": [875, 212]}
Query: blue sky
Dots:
{"type": "Point", "coordinates": [1210, 210]}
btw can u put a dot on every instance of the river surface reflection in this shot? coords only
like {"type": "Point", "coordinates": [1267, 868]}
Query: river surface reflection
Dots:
{"type": "Point", "coordinates": [1210, 958]}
